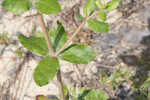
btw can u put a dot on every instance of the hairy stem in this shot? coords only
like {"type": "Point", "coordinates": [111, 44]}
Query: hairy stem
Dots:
{"type": "Point", "coordinates": [72, 37]}
{"type": "Point", "coordinates": [52, 53]}
{"type": "Point", "coordinates": [46, 36]}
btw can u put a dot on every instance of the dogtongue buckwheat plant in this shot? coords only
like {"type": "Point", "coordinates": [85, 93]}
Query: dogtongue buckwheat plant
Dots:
{"type": "Point", "coordinates": [54, 46]}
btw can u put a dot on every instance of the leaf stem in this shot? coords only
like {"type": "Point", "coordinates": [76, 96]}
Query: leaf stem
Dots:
{"type": "Point", "coordinates": [71, 38]}
{"type": "Point", "coordinates": [46, 36]}
{"type": "Point", "coordinates": [52, 53]}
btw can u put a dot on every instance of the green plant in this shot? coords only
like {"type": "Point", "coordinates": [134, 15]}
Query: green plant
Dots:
{"type": "Point", "coordinates": [54, 46]}
{"type": "Point", "coordinates": [81, 95]}
{"type": "Point", "coordinates": [118, 76]}
{"type": "Point", "coordinates": [84, 94]}
{"type": "Point", "coordinates": [4, 39]}
{"type": "Point", "coordinates": [19, 53]}
{"type": "Point", "coordinates": [143, 92]}
{"type": "Point", "coordinates": [42, 97]}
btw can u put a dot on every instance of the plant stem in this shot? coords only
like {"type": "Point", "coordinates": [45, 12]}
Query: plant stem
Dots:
{"type": "Point", "coordinates": [46, 36]}
{"type": "Point", "coordinates": [71, 38]}
{"type": "Point", "coordinates": [52, 53]}
{"type": "Point", "coordinates": [60, 85]}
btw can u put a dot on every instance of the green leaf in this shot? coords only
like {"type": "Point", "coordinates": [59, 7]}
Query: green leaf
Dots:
{"type": "Point", "coordinates": [146, 83]}
{"type": "Point", "coordinates": [89, 7]}
{"type": "Point", "coordinates": [102, 15]}
{"type": "Point", "coordinates": [48, 6]}
{"type": "Point", "coordinates": [149, 95]}
{"type": "Point", "coordinates": [73, 93]}
{"type": "Point", "coordinates": [58, 37]}
{"type": "Point", "coordinates": [41, 97]}
{"type": "Point", "coordinates": [81, 92]}
{"type": "Point", "coordinates": [16, 6]}
{"type": "Point", "coordinates": [19, 53]}
{"type": "Point", "coordinates": [112, 5]}
{"type": "Point", "coordinates": [34, 44]}
{"type": "Point", "coordinates": [100, 4]}
{"type": "Point", "coordinates": [66, 91]}
{"type": "Point", "coordinates": [98, 26]}
{"type": "Point", "coordinates": [46, 70]}
{"type": "Point", "coordinates": [141, 96]}
{"type": "Point", "coordinates": [4, 38]}
{"type": "Point", "coordinates": [78, 54]}
{"type": "Point", "coordinates": [93, 95]}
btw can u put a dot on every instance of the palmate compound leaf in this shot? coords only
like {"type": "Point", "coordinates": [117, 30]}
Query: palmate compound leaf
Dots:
{"type": "Point", "coordinates": [58, 36]}
{"type": "Point", "coordinates": [97, 26]}
{"type": "Point", "coordinates": [46, 70]}
{"type": "Point", "coordinates": [16, 6]}
{"type": "Point", "coordinates": [35, 44]}
{"type": "Point", "coordinates": [93, 95]}
{"type": "Point", "coordinates": [48, 6]}
{"type": "Point", "coordinates": [89, 7]}
{"type": "Point", "coordinates": [78, 54]}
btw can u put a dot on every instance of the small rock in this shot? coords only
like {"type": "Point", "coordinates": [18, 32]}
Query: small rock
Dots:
{"type": "Point", "coordinates": [107, 41]}
{"type": "Point", "coordinates": [133, 37]}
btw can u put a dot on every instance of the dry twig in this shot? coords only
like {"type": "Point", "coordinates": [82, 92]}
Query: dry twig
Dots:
{"type": "Point", "coordinates": [71, 38]}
